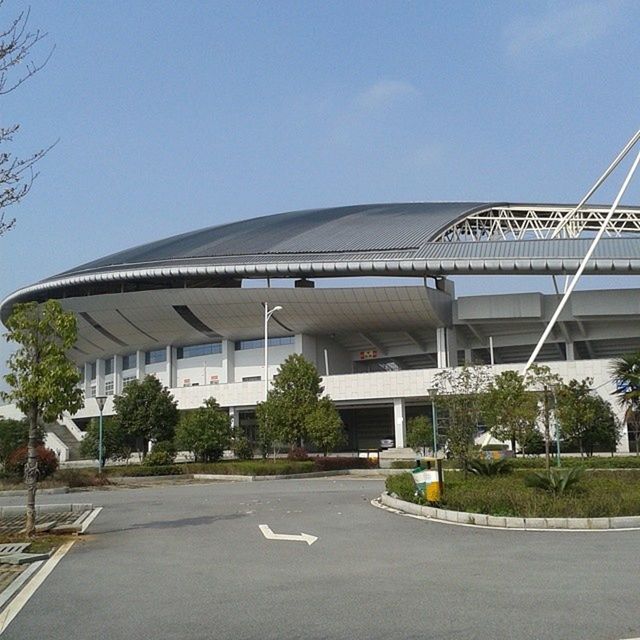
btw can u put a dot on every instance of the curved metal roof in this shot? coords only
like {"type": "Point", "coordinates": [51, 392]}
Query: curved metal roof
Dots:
{"type": "Point", "coordinates": [402, 239]}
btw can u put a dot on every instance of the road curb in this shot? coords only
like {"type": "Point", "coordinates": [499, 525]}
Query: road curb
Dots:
{"type": "Point", "coordinates": [362, 473]}
{"type": "Point", "coordinates": [481, 520]}
{"type": "Point", "coordinates": [46, 508]}
{"type": "Point", "coordinates": [45, 492]}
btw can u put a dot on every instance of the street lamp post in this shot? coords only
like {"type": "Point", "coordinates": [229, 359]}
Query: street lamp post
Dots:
{"type": "Point", "coordinates": [434, 419]}
{"type": "Point", "coordinates": [267, 316]}
{"type": "Point", "coordinates": [100, 400]}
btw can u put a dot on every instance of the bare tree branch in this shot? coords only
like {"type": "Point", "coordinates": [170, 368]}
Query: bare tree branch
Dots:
{"type": "Point", "coordinates": [17, 174]}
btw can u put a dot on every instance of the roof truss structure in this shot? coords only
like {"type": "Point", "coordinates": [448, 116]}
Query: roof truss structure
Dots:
{"type": "Point", "coordinates": [541, 223]}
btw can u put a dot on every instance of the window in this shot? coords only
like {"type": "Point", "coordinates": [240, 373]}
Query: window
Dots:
{"type": "Point", "coordinates": [194, 350]}
{"type": "Point", "coordinates": [92, 391]}
{"type": "Point", "coordinates": [127, 381]}
{"type": "Point", "coordinates": [258, 343]}
{"type": "Point", "coordinates": [251, 378]}
{"type": "Point", "coordinates": [81, 371]}
{"type": "Point", "coordinates": [158, 355]}
{"type": "Point", "coordinates": [129, 361]}
{"type": "Point", "coordinates": [108, 366]}
{"type": "Point", "coordinates": [108, 387]}
{"type": "Point", "coordinates": [92, 366]}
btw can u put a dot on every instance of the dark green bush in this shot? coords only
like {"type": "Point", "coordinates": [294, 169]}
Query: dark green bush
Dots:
{"type": "Point", "coordinates": [250, 467]}
{"type": "Point", "coordinates": [337, 464]}
{"type": "Point", "coordinates": [163, 454]}
{"type": "Point", "coordinates": [136, 471]}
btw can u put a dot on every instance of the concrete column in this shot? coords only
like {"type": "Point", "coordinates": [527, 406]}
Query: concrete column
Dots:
{"type": "Point", "coordinates": [100, 377]}
{"type": "Point", "coordinates": [399, 422]}
{"type": "Point", "coordinates": [140, 366]}
{"type": "Point", "coordinates": [87, 379]}
{"type": "Point", "coordinates": [117, 375]}
{"type": "Point", "coordinates": [228, 361]}
{"type": "Point", "coordinates": [168, 370]}
{"type": "Point", "coordinates": [468, 356]}
{"type": "Point", "coordinates": [570, 351]}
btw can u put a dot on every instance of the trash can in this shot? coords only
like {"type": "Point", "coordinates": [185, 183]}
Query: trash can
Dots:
{"type": "Point", "coordinates": [427, 483]}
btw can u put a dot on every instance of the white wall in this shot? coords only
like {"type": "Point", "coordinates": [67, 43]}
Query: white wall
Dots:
{"type": "Point", "coordinates": [159, 370]}
{"type": "Point", "coordinates": [250, 362]}
{"type": "Point", "coordinates": [195, 369]}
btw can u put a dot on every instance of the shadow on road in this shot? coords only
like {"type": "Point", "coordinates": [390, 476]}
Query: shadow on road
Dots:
{"type": "Point", "coordinates": [183, 522]}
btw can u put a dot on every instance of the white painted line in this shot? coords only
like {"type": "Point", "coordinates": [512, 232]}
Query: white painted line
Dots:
{"type": "Point", "coordinates": [10, 591]}
{"type": "Point", "coordinates": [302, 537]}
{"type": "Point", "coordinates": [89, 519]}
{"type": "Point", "coordinates": [14, 607]}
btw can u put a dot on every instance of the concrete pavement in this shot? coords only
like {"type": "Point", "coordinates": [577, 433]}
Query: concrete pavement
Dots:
{"type": "Point", "coordinates": [191, 562]}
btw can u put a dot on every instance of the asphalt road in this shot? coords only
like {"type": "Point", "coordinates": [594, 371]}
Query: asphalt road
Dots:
{"type": "Point", "coordinates": [190, 562]}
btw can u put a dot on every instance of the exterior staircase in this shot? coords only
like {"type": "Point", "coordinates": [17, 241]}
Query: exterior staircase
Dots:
{"type": "Point", "coordinates": [67, 438]}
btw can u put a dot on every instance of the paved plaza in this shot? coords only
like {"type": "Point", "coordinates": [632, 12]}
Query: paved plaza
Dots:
{"type": "Point", "coordinates": [191, 561]}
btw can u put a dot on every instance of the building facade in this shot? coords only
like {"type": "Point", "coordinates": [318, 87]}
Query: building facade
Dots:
{"type": "Point", "coordinates": [191, 309]}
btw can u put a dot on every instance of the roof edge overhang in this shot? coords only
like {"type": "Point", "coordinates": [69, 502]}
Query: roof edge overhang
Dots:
{"type": "Point", "coordinates": [435, 267]}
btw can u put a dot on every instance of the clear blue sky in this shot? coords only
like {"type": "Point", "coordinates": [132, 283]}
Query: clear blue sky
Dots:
{"type": "Point", "coordinates": [177, 115]}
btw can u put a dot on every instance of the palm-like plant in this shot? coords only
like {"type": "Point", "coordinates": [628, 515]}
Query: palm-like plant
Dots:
{"type": "Point", "coordinates": [556, 481]}
{"type": "Point", "coordinates": [625, 371]}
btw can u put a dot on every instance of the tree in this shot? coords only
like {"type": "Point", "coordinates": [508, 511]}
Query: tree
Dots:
{"type": "Point", "coordinates": [43, 381]}
{"type": "Point", "coordinates": [605, 432]}
{"type": "Point", "coordinates": [13, 435]}
{"type": "Point", "coordinates": [324, 426]}
{"type": "Point", "coordinates": [509, 409]}
{"type": "Point", "coordinates": [586, 419]}
{"type": "Point", "coordinates": [420, 433]}
{"type": "Point", "coordinates": [626, 374]}
{"type": "Point", "coordinates": [116, 443]}
{"type": "Point", "coordinates": [205, 431]}
{"type": "Point", "coordinates": [293, 397]}
{"type": "Point", "coordinates": [146, 412]}
{"type": "Point", "coordinates": [16, 174]}
{"type": "Point", "coordinates": [459, 402]}
{"type": "Point", "coordinates": [541, 379]}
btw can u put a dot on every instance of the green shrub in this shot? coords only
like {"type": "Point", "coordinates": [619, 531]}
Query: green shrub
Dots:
{"type": "Point", "coordinates": [163, 454]}
{"type": "Point", "coordinates": [556, 481]}
{"type": "Point", "coordinates": [242, 448]}
{"type": "Point", "coordinates": [484, 467]}
{"type": "Point", "coordinates": [403, 486]}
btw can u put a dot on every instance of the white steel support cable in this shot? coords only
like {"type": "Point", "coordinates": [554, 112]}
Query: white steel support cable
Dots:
{"type": "Point", "coordinates": [583, 264]}
{"type": "Point", "coordinates": [619, 158]}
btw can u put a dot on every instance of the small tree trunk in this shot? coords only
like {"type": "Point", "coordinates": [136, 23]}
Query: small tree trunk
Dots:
{"type": "Point", "coordinates": [513, 446]}
{"type": "Point", "coordinates": [31, 472]}
{"type": "Point", "coordinates": [547, 430]}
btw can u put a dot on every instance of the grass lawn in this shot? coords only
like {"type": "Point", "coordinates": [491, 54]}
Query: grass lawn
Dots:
{"type": "Point", "coordinates": [598, 494]}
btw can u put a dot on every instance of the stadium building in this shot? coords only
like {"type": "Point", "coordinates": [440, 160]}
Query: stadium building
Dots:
{"type": "Point", "coordinates": [192, 309]}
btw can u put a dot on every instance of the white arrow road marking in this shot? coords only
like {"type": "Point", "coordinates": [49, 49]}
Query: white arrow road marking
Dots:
{"type": "Point", "coordinates": [302, 537]}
